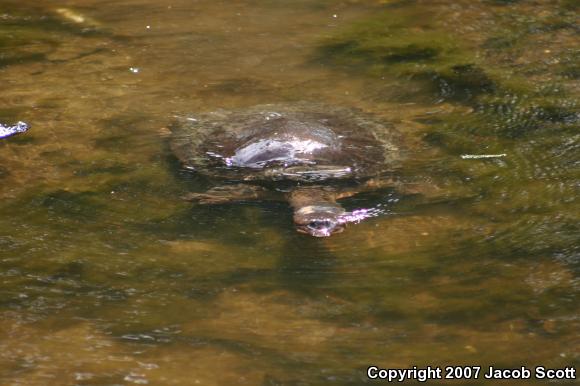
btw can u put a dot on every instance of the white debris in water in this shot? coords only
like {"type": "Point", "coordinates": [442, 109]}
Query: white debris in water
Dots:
{"type": "Point", "coordinates": [83, 376]}
{"type": "Point", "coordinates": [7, 131]}
{"type": "Point", "coordinates": [71, 15]}
{"type": "Point", "coordinates": [136, 378]}
{"type": "Point", "coordinates": [76, 17]}
{"type": "Point", "coordinates": [478, 156]}
{"type": "Point", "coordinates": [148, 366]}
{"type": "Point", "coordinates": [134, 70]}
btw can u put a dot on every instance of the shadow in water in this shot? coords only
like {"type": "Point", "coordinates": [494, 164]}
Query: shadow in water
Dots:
{"type": "Point", "coordinates": [306, 264]}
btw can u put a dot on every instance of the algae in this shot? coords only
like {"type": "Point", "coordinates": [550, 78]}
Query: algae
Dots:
{"type": "Point", "coordinates": [516, 71]}
{"type": "Point", "coordinates": [34, 34]}
{"type": "Point", "coordinates": [385, 45]}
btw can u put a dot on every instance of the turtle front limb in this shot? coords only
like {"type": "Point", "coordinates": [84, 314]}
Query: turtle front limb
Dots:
{"type": "Point", "coordinates": [228, 193]}
{"type": "Point", "coordinates": [422, 188]}
{"type": "Point", "coordinates": [425, 190]}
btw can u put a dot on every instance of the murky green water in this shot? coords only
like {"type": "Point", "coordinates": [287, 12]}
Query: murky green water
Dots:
{"type": "Point", "coordinates": [108, 278]}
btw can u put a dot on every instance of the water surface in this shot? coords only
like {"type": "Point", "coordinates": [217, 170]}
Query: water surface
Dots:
{"type": "Point", "coordinates": [108, 277]}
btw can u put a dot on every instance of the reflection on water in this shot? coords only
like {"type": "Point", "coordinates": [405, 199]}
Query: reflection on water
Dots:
{"type": "Point", "coordinates": [108, 277]}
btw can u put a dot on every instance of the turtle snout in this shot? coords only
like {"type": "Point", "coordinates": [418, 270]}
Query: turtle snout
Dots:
{"type": "Point", "coordinates": [319, 220]}
{"type": "Point", "coordinates": [320, 224]}
{"type": "Point", "coordinates": [322, 228]}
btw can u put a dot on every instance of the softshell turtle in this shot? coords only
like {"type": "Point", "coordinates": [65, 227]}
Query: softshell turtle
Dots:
{"type": "Point", "coordinates": [309, 154]}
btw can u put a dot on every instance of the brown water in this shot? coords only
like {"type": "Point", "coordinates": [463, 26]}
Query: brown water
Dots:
{"type": "Point", "coordinates": [108, 278]}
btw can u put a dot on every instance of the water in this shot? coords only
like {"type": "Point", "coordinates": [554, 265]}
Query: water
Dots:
{"type": "Point", "coordinates": [108, 277]}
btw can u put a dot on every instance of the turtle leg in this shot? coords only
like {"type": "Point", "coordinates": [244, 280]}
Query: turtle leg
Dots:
{"type": "Point", "coordinates": [372, 185]}
{"type": "Point", "coordinates": [383, 183]}
{"type": "Point", "coordinates": [407, 188]}
{"type": "Point", "coordinates": [426, 191]}
{"type": "Point", "coordinates": [227, 193]}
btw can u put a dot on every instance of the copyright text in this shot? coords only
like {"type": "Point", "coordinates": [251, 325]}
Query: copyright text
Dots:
{"type": "Point", "coordinates": [424, 374]}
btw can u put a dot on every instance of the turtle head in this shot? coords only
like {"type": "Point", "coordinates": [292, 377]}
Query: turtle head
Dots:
{"type": "Point", "coordinates": [319, 220]}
